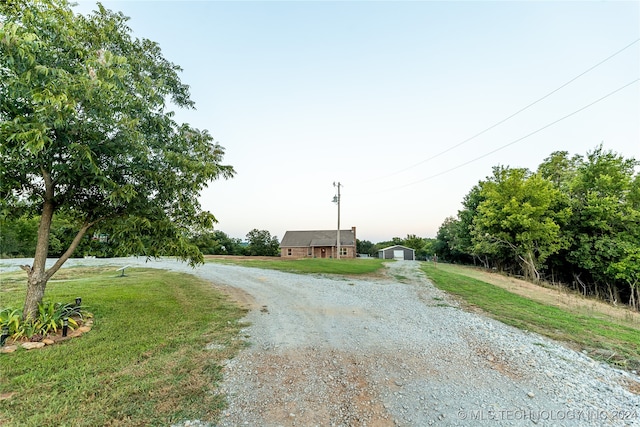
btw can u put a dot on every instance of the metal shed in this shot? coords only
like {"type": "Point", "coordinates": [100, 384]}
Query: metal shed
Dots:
{"type": "Point", "coordinates": [397, 252]}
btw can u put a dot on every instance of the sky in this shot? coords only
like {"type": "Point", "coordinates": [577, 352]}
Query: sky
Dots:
{"type": "Point", "coordinates": [407, 105]}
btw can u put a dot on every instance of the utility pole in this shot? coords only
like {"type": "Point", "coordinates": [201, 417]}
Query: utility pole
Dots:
{"type": "Point", "coordinates": [336, 199]}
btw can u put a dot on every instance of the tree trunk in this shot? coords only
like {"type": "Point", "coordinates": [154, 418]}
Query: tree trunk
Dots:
{"type": "Point", "coordinates": [531, 273]}
{"type": "Point", "coordinates": [37, 278]}
{"type": "Point", "coordinates": [36, 285]}
{"type": "Point", "coordinates": [634, 298]}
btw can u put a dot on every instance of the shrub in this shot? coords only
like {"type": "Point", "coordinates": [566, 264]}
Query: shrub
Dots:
{"type": "Point", "coordinates": [49, 319]}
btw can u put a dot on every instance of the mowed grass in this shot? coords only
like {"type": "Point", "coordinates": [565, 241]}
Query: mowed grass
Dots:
{"type": "Point", "coordinates": [621, 342]}
{"type": "Point", "coordinates": [144, 363]}
{"type": "Point", "coordinates": [349, 266]}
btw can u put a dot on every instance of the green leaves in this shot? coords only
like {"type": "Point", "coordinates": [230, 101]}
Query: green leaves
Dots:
{"type": "Point", "coordinates": [86, 128]}
{"type": "Point", "coordinates": [261, 243]}
{"type": "Point", "coordinates": [50, 317]}
{"type": "Point", "coordinates": [576, 219]}
{"type": "Point", "coordinates": [517, 213]}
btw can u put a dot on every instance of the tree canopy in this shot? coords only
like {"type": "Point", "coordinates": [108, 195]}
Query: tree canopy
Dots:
{"type": "Point", "coordinates": [262, 244]}
{"type": "Point", "coordinates": [86, 130]}
{"type": "Point", "coordinates": [575, 220]}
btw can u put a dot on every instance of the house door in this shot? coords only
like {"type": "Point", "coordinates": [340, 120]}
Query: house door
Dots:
{"type": "Point", "coordinates": [398, 254]}
{"type": "Point", "coordinates": [323, 253]}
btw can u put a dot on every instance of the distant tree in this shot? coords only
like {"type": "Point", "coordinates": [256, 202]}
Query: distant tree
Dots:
{"type": "Point", "coordinates": [216, 243]}
{"type": "Point", "coordinates": [412, 241]}
{"type": "Point", "coordinates": [18, 236]}
{"type": "Point", "coordinates": [85, 130]}
{"type": "Point", "coordinates": [397, 241]}
{"type": "Point", "coordinates": [429, 248]}
{"type": "Point", "coordinates": [423, 247]}
{"type": "Point", "coordinates": [365, 247]}
{"type": "Point", "coordinates": [262, 244]}
{"type": "Point", "coordinates": [444, 239]}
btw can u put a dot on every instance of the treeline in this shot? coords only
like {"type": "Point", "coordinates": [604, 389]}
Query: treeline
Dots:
{"type": "Point", "coordinates": [258, 243]}
{"type": "Point", "coordinates": [18, 240]}
{"type": "Point", "coordinates": [575, 221]}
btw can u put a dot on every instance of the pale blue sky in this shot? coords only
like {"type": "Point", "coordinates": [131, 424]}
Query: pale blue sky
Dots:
{"type": "Point", "coordinates": [302, 94]}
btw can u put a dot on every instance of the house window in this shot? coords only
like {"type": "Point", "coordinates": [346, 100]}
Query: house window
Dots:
{"type": "Point", "coordinates": [343, 251]}
{"type": "Point", "coordinates": [289, 251]}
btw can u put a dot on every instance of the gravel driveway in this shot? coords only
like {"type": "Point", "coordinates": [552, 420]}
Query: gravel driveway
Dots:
{"type": "Point", "coordinates": [394, 350]}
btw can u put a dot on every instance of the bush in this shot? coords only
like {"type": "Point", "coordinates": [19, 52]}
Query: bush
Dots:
{"type": "Point", "coordinates": [50, 318]}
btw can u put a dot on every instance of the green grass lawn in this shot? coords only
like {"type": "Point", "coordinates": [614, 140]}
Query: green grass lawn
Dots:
{"type": "Point", "coordinates": [144, 363]}
{"type": "Point", "coordinates": [310, 265]}
{"type": "Point", "coordinates": [583, 332]}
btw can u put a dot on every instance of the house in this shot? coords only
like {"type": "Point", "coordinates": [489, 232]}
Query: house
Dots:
{"type": "Point", "coordinates": [318, 244]}
{"type": "Point", "coordinates": [397, 252]}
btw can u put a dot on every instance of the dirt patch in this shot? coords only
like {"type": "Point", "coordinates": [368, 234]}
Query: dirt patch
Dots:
{"type": "Point", "coordinates": [632, 386]}
{"type": "Point", "coordinates": [237, 295]}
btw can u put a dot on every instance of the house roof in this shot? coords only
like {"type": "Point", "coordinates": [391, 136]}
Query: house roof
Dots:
{"type": "Point", "coordinates": [317, 238]}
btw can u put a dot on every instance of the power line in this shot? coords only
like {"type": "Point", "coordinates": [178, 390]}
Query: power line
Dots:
{"type": "Point", "coordinates": [512, 115]}
{"type": "Point", "coordinates": [512, 142]}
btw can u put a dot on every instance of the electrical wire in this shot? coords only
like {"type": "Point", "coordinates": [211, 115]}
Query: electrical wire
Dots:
{"type": "Point", "coordinates": [509, 117]}
{"type": "Point", "coordinates": [512, 142]}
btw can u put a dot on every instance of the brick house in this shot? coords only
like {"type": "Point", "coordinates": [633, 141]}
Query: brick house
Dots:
{"type": "Point", "coordinates": [318, 244]}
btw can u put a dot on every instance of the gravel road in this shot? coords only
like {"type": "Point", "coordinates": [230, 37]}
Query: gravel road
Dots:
{"type": "Point", "coordinates": [396, 351]}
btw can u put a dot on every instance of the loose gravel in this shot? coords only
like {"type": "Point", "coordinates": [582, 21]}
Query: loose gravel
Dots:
{"type": "Point", "coordinates": [396, 351]}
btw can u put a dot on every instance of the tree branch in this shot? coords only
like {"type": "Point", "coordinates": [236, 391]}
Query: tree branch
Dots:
{"type": "Point", "coordinates": [72, 247]}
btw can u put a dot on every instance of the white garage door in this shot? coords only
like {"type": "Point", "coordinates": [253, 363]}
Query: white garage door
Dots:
{"type": "Point", "coordinates": [398, 254]}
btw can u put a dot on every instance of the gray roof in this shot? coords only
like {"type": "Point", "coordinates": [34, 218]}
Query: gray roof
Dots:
{"type": "Point", "coordinates": [317, 238]}
{"type": "Point", "coordinates": [393, 247]}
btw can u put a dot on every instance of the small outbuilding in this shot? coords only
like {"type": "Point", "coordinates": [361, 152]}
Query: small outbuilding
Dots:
{"type": "Point", "coordinates": [397, 252]}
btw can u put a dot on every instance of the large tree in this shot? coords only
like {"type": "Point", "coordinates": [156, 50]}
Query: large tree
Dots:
{"type": "Point", "coordinates": [518, 214]}
{"type": "Point", "coordinates": [86, 129]}
{"type": "Point", "coordinates": [605, 225]}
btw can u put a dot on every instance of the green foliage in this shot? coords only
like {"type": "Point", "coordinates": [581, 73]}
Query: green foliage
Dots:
{"type": "Point", "coordinates": [518, 216]}
{"type": "Point", "coordinates": [606, 219]}
{"type": "Point", "coordinates": [577, 220]}
{"type": "Point", "coordinates": [559, 169]}
{"type": "Point", "coordinates": [423, 246]}
{"type": "Point", "coordinates": [87, 130]}
{"type": "Point", "coordinates": [365, 247]}
{"type": "Point", "coordinates": [50, 318]}
{"type": "Point", "coordinates": [448, 245]}
{"type": "Point", "coordinates": [11, 318]}
{"type": "Point", "coordinates": [262, 244]}
{"type": "Point", "coordinates": [18, 236]}
{"type": "Point", "coordinates": [217, 243]}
